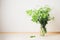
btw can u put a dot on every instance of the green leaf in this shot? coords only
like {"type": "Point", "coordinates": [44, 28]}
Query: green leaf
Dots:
{"type": "Point", "coordinates": [29, 12]}
{"type": "Point", "coordinates": [32, 36]}
{"type": "Point", "coordinates": [35, 18]}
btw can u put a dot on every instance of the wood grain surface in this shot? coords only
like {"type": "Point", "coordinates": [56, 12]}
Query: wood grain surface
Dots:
{"type": "Point", "coordinates": [28, 33]}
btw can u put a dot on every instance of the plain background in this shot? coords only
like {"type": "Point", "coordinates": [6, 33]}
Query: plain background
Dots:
{"type": "Point", "coordinates": [14, 18]}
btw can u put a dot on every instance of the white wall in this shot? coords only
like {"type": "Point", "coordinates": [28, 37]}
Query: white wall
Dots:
{"type": "Point", "coordinates": [0, 9]}
{"type": "Point", "coordinates": [14, 18]}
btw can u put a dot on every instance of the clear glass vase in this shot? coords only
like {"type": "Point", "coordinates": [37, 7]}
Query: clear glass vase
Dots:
{"type": "Point", "coordinates": [43, 31]}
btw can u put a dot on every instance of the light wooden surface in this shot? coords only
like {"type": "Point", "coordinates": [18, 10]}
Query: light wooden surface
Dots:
{"type": "Point", "coordinates": [28, 33]}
